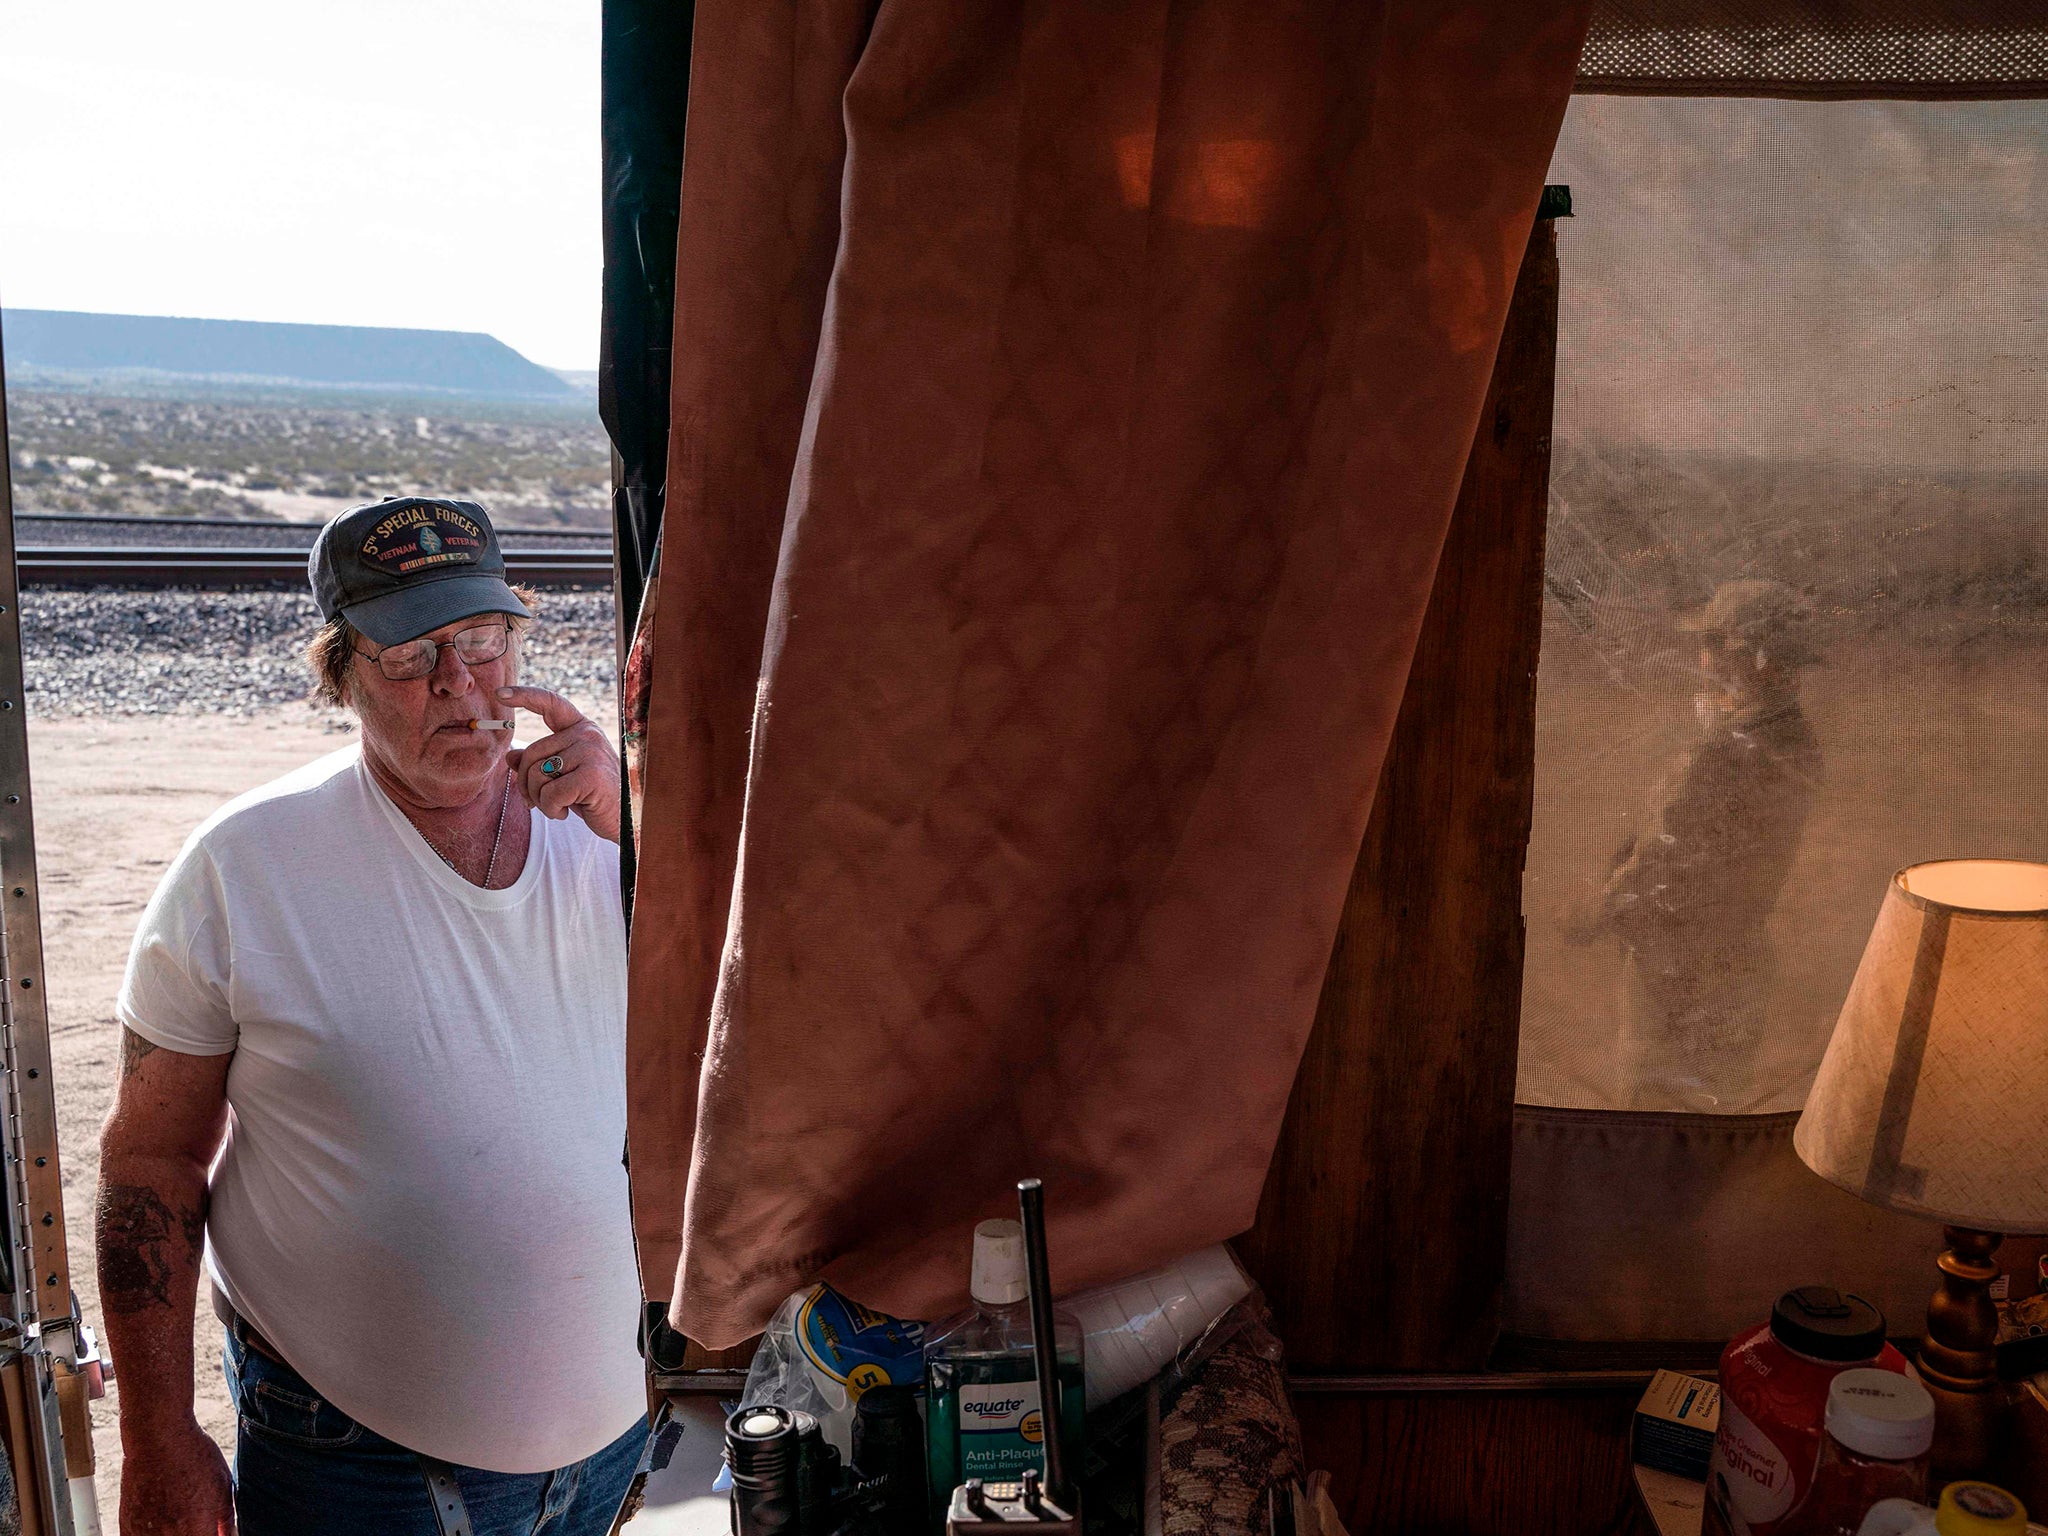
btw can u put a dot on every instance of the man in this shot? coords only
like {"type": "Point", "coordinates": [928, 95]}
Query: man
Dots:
{"type": "Point", "coordinates": [1688, 895]}
{"type": "Point", "coordinates": [394, 982]}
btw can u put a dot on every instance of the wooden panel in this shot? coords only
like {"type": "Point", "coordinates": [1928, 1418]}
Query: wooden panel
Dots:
{"type": "Point", "coordinates": [20, 1410]}
{"type": "Point", "coordinates": [1477, 1464]}
{"type": "Point", "coordinates": [697, 1358]}
{"type": "Point", "coordinates": [1382, 1233]}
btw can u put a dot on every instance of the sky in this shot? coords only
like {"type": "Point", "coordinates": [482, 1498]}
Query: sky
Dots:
{"type": "Point", "coordinates": [427, 163]}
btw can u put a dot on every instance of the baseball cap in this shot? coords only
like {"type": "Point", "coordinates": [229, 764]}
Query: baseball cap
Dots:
{"type": "Point", "coordinates": [403, 566]}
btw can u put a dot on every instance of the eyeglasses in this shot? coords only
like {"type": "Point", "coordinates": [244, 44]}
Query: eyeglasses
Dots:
{"type": "Point", "coordinates": [415, 659]}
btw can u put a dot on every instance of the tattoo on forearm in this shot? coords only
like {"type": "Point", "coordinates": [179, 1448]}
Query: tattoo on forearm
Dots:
{"type": "Point", "coordinates": [140, 1239]}
{"type": "Point", "coordinates": [133, 1049]}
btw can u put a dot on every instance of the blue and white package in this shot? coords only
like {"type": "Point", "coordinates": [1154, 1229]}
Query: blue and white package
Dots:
{"type": "Point", "coordinates": [822, 1350]}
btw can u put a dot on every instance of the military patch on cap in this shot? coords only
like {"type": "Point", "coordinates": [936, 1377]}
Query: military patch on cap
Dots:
{"type": "Point", "coordinates": [402, 566]}
{"type": "Point", "coordinates": [420, 537]}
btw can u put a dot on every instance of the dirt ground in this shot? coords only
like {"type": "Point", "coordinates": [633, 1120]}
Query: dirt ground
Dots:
{"type": "Point", "coordinates": [114, 800]}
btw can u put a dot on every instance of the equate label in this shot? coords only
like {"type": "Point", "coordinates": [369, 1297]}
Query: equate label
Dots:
{"type": "Point", "coordinates": [1748, 1472]}
{"type": "Point", "coordinates": [1000, 1430]}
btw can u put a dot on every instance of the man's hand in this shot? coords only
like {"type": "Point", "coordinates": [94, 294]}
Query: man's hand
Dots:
{"type": "Point", "coordinates": [586, 776]}
{"type": "Point", "coordinates": [175, 1483]}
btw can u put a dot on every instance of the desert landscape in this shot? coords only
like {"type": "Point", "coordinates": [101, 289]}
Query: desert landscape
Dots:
{"type": "Point", "coordinates": [217, 451]}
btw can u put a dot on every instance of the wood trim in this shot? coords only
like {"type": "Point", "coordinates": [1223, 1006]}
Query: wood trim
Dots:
{"type": "Point", "coordinates": [20, 1410]}
{"type": "Point", "coordinates": [1381, 1238]}
{"type": "Point", "coordinates": [1478, 1464]}
{"type": "Point", "coordinates": [1425, 1383]}
{"type": "Point", "coordinates": [729, 1383]}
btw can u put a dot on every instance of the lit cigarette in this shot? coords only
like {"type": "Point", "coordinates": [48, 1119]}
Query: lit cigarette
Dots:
{"type": "Point", "coordinates": [490, 725]}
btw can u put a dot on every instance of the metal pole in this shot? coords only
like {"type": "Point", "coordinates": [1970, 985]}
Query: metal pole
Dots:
{"type": "Point", "coordinates": [44, 1334]}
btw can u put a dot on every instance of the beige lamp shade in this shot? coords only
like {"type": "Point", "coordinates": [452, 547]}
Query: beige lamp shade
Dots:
{"type": "Point", "coordinates": [1933, 1097]}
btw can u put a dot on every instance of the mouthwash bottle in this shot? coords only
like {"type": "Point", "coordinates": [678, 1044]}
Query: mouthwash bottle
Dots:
{"type": "Point", "coordinates": [980, 1382]}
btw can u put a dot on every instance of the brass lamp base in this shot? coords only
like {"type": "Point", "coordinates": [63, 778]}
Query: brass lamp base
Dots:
{"type": "Point", "coordinates": [1956, 1357]}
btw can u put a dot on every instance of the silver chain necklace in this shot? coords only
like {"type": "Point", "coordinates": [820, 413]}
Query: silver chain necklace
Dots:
{"type": "Point", "coordinates": [490, 869]}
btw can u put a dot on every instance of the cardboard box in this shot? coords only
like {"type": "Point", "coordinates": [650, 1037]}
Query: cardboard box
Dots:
{"type": "Point", "coordinates": [1677, 1505]}
{"type": "Point", "coordinates": [1675, 1424]}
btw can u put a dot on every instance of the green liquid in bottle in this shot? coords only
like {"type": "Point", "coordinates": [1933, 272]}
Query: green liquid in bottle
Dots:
{"type": "Point", "coordinates": [982, 1420]}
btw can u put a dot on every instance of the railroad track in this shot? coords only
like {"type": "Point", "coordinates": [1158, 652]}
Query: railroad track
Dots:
{"type": "Point", "coordinates": [136, 565]}
{"type": "Point", "coordinates": [304, 532]}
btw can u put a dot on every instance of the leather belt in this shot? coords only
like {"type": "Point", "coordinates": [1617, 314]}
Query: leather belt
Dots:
{"type": "Point", "coordinates": [450, 1515]}
{"type": "Point", "coordinates": [245, 1335]}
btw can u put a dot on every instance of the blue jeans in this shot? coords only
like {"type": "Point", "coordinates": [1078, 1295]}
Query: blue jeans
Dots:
{"type": "Point", "coordinates": [305, 1468]}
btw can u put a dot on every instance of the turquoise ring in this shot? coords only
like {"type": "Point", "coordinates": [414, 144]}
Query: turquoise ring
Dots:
{"type": "Point", "coordinates": [551, 766]}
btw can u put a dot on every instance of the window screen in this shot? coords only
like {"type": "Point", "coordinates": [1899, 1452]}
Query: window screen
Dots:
{"type": "Point", "coordinates": [1820, 48]}
{"type": "Point", "coordinates": [1795, 631]}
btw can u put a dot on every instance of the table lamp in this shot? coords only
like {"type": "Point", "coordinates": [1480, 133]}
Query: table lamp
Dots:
{"type": "Point", "coordinates": [1932, 1100]}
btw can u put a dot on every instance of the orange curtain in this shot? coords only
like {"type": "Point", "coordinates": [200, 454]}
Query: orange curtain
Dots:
{"type": "Point", "coordinates": [1068, 404]}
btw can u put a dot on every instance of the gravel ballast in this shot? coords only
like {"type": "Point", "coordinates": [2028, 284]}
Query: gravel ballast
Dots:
{"type": "Point", "coordinates": [173, 650]}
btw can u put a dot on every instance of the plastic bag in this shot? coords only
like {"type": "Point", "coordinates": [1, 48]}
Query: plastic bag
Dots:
{"type": "Point", "coordinates": [821, 1351]}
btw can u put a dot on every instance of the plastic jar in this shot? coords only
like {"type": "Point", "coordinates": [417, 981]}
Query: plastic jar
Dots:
{"type": "Point", "coordinates": [1880, 1427]}
{"type": "Point", "coordinates": [1967, 1509]}
{"type": "Point", "coordinates": [1774, 1394]}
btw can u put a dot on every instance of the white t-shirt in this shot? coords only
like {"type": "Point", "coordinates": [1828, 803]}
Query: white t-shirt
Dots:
{"type": "Point", "coordinates": [421, 1201]}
